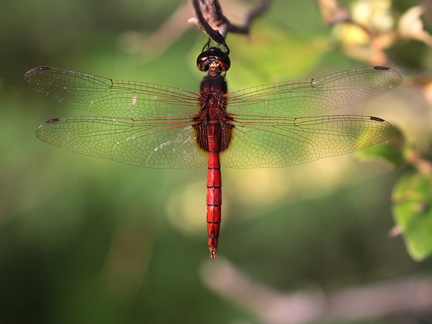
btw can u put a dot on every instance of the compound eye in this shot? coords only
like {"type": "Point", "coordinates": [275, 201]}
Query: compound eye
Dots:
{"type": "Point", "coordinates": [211, 55]}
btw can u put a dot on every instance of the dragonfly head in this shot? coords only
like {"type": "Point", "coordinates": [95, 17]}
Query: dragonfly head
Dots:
{"type": "Point", "coordinates": [212, 59]}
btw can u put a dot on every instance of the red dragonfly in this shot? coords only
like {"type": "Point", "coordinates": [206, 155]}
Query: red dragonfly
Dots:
{"type": "Point", "coordinates": [157, 126]}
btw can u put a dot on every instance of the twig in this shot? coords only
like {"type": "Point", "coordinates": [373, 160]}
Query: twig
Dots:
{"type": "Point", "coordinates": [211, 20]}
{"type": "Point", "coordinates": [260, 8]}
{"type": "Point", "coordinates": [334, 13]}
{"type": "Point", "coordinates": [423, 166]}
{"type": "Point", "coordinates": [272, 307]}
{"type": "Point", "coordinates": [164, 36]}
{"type": "Point", "coordinates": [209, 13]}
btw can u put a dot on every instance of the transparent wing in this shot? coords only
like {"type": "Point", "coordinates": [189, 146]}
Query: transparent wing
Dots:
{"type": "Point", "coordinates": [316, 95]}
{"type": "Point", "coordinates": [149, 142]}
{"type": "Point", "coordinates": [280, 142]}
{"type": "Point", "coordinates": [153, 123]}
{"type": "Point", "coordinates": [111, 97]}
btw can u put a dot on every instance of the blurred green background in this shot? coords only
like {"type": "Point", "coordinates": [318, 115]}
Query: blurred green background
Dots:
{"type": "Point", "coordinates": [86, 240]}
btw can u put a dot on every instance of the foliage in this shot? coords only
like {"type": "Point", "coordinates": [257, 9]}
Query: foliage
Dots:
{"type": "Point", "coordinates": [413, 213]}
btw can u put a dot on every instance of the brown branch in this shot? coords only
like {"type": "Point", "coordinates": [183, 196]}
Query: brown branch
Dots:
{"type": "Point", "coordinates": [260, 8]}
{"type": "Point", "coordinates": [423, 166]}
{"type": "Point", "coordinates": [332, 12]}
{"type": "Point", "coordinates": [208, 16]}
{"type": "Point", "coordinates": [377, 300]}
{"type": "Point", "coordinates": [211, 20]}
{"type": "Point", "coordinates": [164, 36]}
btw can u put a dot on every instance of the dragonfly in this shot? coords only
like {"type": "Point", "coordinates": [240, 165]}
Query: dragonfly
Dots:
{"type": "Point", "coordinates": [158, 126]}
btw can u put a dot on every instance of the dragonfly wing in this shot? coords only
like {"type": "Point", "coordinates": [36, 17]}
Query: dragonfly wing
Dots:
{"type": "Point", "coordinates": [316, 95]}
{"type": "Point", "coordinates": [280, 142]}
{"type": "Point", "coordinates": [154, 143]}
{"type": "Point", "coordinates": [111, 97]}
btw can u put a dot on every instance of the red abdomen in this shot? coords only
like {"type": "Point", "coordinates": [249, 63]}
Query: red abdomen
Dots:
{"type": "Point", "coordinates": [213, 136]}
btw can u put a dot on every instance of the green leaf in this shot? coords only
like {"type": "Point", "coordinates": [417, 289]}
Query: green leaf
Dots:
{"type": "Point", "coordinates": [412, 211]}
